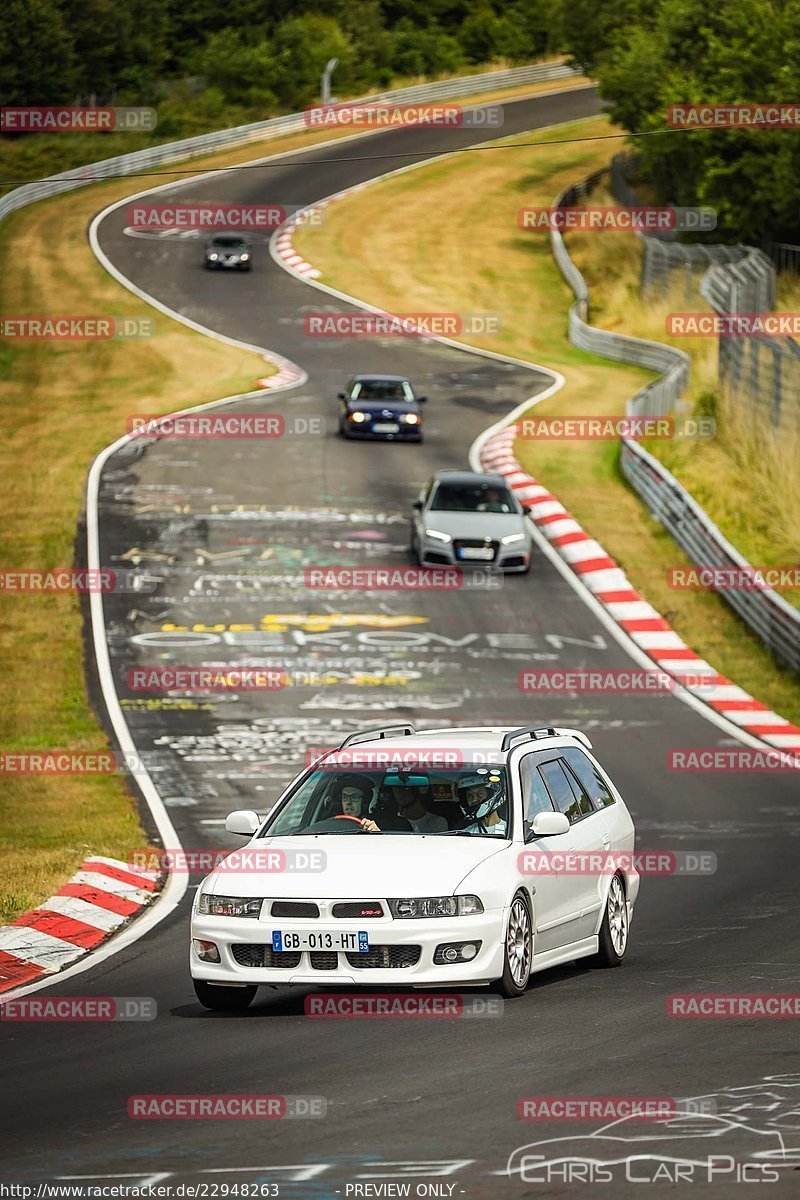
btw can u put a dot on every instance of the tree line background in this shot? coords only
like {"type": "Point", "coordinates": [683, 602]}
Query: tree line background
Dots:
{"type": "Point", "coordinates": [260, 55]}
{"type": "Point", "coordinates": [204, 64]}
{"type": "Point", "coordinates": [648, 54]}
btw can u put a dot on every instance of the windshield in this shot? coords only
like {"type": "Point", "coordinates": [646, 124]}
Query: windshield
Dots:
{"type": "Point", "coordinates": [382, 389]}
{"type": "Point", "coordinates": [228, 242]}
{"type": "Point", "coordinates": [469, 802]}
{"type": "Point", "coordinates": [472, 497]}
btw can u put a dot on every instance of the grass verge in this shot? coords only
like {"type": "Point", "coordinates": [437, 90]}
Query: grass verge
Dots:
{"type": "Point", "coordinates": [477, 260]}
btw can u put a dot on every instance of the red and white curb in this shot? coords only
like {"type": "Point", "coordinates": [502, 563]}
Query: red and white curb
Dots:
{"type": "Point", "coordinates": [608, 583]}
{"type": "Point", "coordinates": [287, 376]}
{"type": "Point", "coordinates": [104, 895]}
{"type": "Point", "coordinates": [285, 250]}
{"type": "Point", "coordinates": [282, 246]}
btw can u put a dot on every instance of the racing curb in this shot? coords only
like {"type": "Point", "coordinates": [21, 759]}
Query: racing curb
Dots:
{"type": "Point", "coordinates": [287, 376]}
{"type": "Point", "coordinates": [102, 896]}
{"type": "Point", "coordinates": [608, 583]}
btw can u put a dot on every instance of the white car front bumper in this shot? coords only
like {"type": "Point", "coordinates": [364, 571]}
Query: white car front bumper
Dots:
{"type": "Point", "coordinates": [401, 951]}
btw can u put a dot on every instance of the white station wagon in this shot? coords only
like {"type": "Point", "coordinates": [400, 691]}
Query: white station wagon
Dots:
{"type": "Point", "coordinates": [416, 859]}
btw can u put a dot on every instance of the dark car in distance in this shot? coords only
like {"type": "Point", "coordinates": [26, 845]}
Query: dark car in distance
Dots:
{"type": "Point", "coordinates": [381, 408]}
{"type": "Point", "coordinates": [228, 252]}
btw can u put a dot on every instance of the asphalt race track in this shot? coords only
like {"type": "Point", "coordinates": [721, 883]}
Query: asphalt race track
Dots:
{"type": "Point", "coordinates": [226, 529]}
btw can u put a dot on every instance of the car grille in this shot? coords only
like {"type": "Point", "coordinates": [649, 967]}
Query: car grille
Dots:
{"type": "Point", "coordinates": [324, 960]}
{"type": "Point", "coordinates": [358, 909]}
{"type": "Point", "coordinates": [294, 908]}
{"type": "Point", "coordinates": [259, 954]}
{"type": "Point", "coordinates": [381, 957]}
{"type": "Point", "coordinates": [469, 542]}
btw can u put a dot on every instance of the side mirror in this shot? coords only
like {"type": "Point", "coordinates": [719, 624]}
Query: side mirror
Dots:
{"type": "Point", "coordinates": [548, 824]}
{"type": "Point", "coordinates": [244, 821]}
{"type": "Point", "coordinates": [341, 396]}
{"type": "Point", "coordinates": [526, 508]}
{"type": "Point", "coordinates": [422, 399]}
{"type": "Point", "coordinates": [417, 505]}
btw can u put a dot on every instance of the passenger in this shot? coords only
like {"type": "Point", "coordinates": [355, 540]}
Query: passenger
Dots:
{"type": "Point", "coordinates": [483, 804]}
{"type": "Point", "coordinates": [411, 808]}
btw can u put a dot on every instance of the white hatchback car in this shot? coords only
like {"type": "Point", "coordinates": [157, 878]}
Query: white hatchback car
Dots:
{"type": "Point", "coordinates": [435, 858]}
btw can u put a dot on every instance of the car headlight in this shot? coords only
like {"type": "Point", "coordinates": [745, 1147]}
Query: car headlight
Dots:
{"type": "Point", "coordinates": [228, 906]}
{"type": "Point", "coordinates": [438, 537]}
{"type": "Point", "coordinates": [512, 537]}
{"type": "Point", "coordinates": [357, 416]}
{"type": "Point", "coordinates": [436, 906]}
{"type": "Point", "coordinates": [244, 257]}
{"type": "Point", "coordinates": [213, 257]}
{"type": "Point", "coordinates": [410, 418]}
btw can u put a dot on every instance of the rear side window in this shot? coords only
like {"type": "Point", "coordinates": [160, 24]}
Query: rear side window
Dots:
{"type": "Point", "coordinates": [590, 778]}
{"type": "Point", "coordinates": [560, 788]}
{"type": "Point", "coordinates": [536, 797]}
{"type": "Point", "coordinates": [584, 802]}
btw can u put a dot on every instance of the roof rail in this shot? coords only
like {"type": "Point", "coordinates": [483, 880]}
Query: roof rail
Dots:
{"type": "Point", "coordinates": [542, 731]}
{"type": "Point", "coordinates": [578, 734]}
{"type": "Point", "coordinates": [526, 731]}
{"type": "Point", "coordinates": [369, 735]}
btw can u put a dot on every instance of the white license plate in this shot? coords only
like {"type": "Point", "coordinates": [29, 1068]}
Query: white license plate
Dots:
{"type": "Point", "coordinates": [384, 427]}
{"type": "Point", "coordinates": [485, 553]}
{"type": "Point", "coordinates": [357, 943]}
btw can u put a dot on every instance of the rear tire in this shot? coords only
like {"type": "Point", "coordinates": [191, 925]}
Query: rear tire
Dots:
{"type": "Point", "coordinates": [518, 951]}
{"type": "Point", "coordinates": [613, 939]}
{"type": "Point", "coordinates": [223, 999]}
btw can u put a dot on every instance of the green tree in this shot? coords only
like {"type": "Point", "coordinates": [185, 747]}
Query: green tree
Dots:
{"type": "Point", "coordinates": [302, 46]}
{"type": "Point", "coordinates": [687, 52]}
{"type": "Point", "coordinates": [241, 70]}
{"type": "Point", "coordinates": [37, 54]}
{"type": "Point", "coordinates": [424, 51]}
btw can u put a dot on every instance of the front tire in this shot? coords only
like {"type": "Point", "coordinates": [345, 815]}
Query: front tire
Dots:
{"type": "Point", "coordinates": [518, 950]}
{"type": "Point", "coordinates": [223, 999]}
{"type": "Point", "coordinates": [613, 939]}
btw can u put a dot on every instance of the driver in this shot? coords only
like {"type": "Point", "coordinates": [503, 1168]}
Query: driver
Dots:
{"type": "Point", "coordinates": [483, 803]}
{"type": "Point", "coordinates": [492, 501]}
{"type": "Point", "coordinates": [352, 793]}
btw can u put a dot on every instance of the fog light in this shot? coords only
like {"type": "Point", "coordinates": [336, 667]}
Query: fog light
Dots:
{"type": "Point", "coordinates": [207, 951]}
{"type": "Point", "coordinates": [454, 952]}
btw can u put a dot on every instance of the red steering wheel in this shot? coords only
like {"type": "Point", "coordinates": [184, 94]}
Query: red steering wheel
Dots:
{"type": "Point", "coordinates": [347, 817]}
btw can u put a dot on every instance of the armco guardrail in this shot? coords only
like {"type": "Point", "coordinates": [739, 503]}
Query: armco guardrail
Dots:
{"type": "Point", "coordinates": [774, 621]}
{"type": "Point", "coordinates": [760, 374]}
{"type": "Point", "coordinates": [226, 139]}
{"type": "Point", "coordinates": [768, 614]}
{"type": "Point", "coordinates": [662, 395]}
